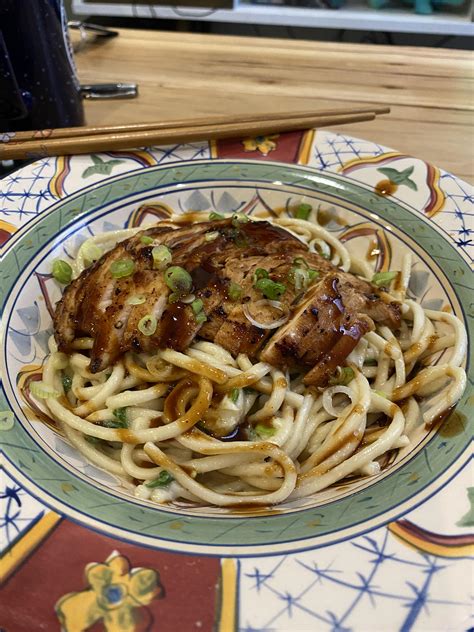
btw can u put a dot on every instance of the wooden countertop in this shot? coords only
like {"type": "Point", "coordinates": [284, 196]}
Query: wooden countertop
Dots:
{"type": "Point", "coordinates": [185, 75]}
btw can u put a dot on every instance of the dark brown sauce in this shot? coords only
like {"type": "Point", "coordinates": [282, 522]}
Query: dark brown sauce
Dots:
{"type": "Point", "coordinates": [385, 187]}
{"type": "Point", "coordinates": [145, 464]}
{"type": "Point", "coordinates": [126, 436]}
{"type": "Point", "coordinates": [173, 400]}
{"type": "Point", "coordinates": [242, 433]}
{"type": "Point", "coordinates": [264, 233]}
{"type": "Point", "coordinates": [338, 445]}
{"type": "Point", "coordinates": [324, 217]}
{"type": "Point", "coordinates": [373, 250]}
{"type": "Point", "coordinates": [397, 282]}
{"type": "Point", "coordinates": [37, 413]}
{"type": "Point", "coordinates": [202, 277]}
{"type": "Point", "coordinates": [452, 423]}
{"type": "Point", "coordinates": [175, 324]}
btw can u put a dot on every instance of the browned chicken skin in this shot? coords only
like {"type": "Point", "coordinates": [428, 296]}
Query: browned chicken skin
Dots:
{"type": "Point", "coordinates": [326, 321]}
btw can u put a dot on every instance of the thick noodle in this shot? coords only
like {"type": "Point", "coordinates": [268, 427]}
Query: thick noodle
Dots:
{"type": "Point", "coordinates": [207, 428]}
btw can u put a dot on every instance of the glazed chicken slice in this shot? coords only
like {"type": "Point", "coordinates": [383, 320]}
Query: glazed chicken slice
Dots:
{"type": "Point", "coordinates": [321, 333]}
{"type": "Point", "coordinates": [326, 318]}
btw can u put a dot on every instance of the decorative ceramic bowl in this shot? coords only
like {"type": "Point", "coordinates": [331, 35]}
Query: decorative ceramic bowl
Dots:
{"type": "Point", "coordinates": [364, 218]}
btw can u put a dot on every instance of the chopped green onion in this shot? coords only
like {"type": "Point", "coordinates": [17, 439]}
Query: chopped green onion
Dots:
{"type": "Point", "coordinates": [234, 395]}
{"type": "Point", "coordinates": [62, 271]}
{"type": "Point", "coordinates": [381, 394]}
{"type": "Point", "coordinates": [200, 318]}
{"type": "Point", "coordinates": [146, 240]}
{"type": "Point", "coordinates": [178, 280]}
{"type": "Point", "coordinates": [265, 432]}
{"type": "Point", "coordinates": [43, 390]}
{"type": "Point", "coordinates": [174, 297]}
{"type": "Point", "coordinates": [213, 216]}
{"type": "Point", "coordinates": [370, 362]}
{"type": "Point", "coordinates": [239, 218]}
{"type": "Point", "coordinates": [300, 278]}
{"type": "Point", "coordinates": [300, 261]}
{"type": "Point", "coordinates": [235, 291]}
{"type": "Point", "coordinates": [239, 238]}
{"type": "Point", "coordinates": [323, 248]}
{"type": "Point", "coordinates": [342, 377]}
{"type": "Point", "coordinates": [383, 279]}
{"type": "Point", "coordinates": [303, 211]}
{"type": "Point", "coordinates": [67, 383]}
{"type": "Point", "coordinates": [270, 289]}
{"type": "Point", "coordinates": [122, 268]}
{"type": "Point", "coordinates": [93, 440]}
{"type": "Point", "coordinates": [197, 306]}
{"type": "Point", "coordinates": [260, 273]}
{"type": "Point", "coordinates": [163, 479]}
{"type": "Point", "coordinates": [136, 300]}
{"type": "Point", "coordinates": [120, 414]}
{"type": "Point", "coordinates": [301, 274]}
{"type": "Point", "coordinates": [114, 423]}
{"type": "Point", "coordinates": [161, 257]}
{"type": "Point", "coordinates": [147, 325]}
{"type": "Point", "coordinates": [198, 309]}
{"type": "Point", "coordinates": [211, 236]}
{"type": "Point", "coordinates": [91, 251]}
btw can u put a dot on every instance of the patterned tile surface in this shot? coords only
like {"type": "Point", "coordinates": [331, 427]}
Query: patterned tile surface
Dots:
{"type": "Point", "coordinates": [376, 582]}
{"type": "Point", "coordinates": [19, 510]}
{"type": "Point", "coordinates": [372, 583]}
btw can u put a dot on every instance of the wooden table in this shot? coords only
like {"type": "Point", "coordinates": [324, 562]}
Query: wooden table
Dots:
{"type": "Point", "coordinates": [182, 74]}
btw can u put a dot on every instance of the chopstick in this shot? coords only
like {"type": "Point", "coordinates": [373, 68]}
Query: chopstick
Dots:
{"type": "Point", "coordinates": [83, 140]}
{"type": "Point", "coordinates": [70, 132]}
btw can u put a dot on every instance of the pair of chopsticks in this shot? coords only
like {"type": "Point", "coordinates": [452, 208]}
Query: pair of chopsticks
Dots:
{"type": "Point", "coordinates": [85, 140]}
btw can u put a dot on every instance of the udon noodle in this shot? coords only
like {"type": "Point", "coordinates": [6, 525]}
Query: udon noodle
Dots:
{"type": "Point", "coordinates": [147, 418]}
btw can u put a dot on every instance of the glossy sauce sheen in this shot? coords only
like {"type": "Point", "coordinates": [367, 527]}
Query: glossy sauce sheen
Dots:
{"type": "Point", "coordinates": [217, 254]}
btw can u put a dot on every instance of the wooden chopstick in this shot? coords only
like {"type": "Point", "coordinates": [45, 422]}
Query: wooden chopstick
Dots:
{"type": "Point", "coordinates": [72, 132]}
{"type": "Point", "coordinates": [84, 144]}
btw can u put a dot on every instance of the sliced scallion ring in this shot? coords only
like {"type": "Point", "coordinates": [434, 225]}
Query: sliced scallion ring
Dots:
{"type": "Point", "coordinates": [270, 289]}
{"type": "Point", "coordinates": [197, 306]}
{"type": "Point", "coordinates": [91, 251]}
{"type": "Point", "coordinates": [260, 273]}
{"type": "Point", "coordinates": [323, 248]}
{"type": "Point", "coordinates": [383, 279]}
{"type": "Point", "coordinates": [264, 431]}
{"type": "Point", "coordinates": [62, 271]}
{"type": "Point", "coordinates": [343, 376]}
{"type": "Point", "coordinates": [122, 268]}
{"type": "Point", "coordinates": [214, 215]}
{"type": "Point", "coordinates": [201, 318]}
{"type": "Point", "coordinates": [147, 325]}
{"type": "Point", "coordinates": [234, 291]}
{"type": "Point", "coordinates": [135, 300]}
{"type": "Point", "coordinates": [239, 218]}
{"type": "Point", "coordinates": [43, 391]}
{"type": "Point", "coordinates": [178, 280]}
{"type": "Point", "coordinates": [161, 257]}
{"type": "Point", "coordinates": [303, 211]}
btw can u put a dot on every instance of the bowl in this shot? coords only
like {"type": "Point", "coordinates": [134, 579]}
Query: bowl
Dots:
{"type": "Point", "coordinates": [365, 219]}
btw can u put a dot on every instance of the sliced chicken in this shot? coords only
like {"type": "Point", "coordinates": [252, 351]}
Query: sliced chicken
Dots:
{"type": "Point", "coordinates": [327, 316]}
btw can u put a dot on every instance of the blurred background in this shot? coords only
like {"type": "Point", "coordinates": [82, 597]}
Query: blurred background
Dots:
{"type": "Point", "coordinates": [438, 23]}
